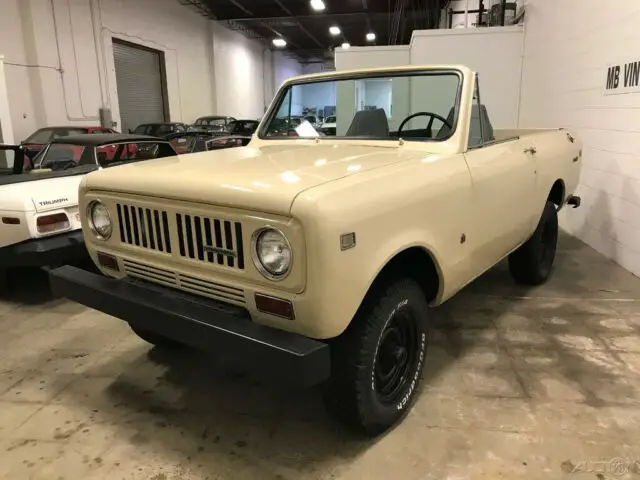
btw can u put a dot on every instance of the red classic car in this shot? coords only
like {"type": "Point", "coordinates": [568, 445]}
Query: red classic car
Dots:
{"type": "Point", "coordinates": [38, 139]}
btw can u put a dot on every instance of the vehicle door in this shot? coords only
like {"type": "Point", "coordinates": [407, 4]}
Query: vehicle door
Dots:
{"type": "Point", "coordinates": [504, 177]}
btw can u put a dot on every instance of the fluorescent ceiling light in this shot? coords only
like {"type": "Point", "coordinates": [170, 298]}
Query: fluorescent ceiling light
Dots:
{"type": "Point", "coordinates": [279, 42]}
{"type": "Point", "coordinates": [317, 5]}
{"type": "Point", "coordinates": [346, 45]}
{"type": "Point", "coordinates": [371, 36]}
{"type": "Point", "coordinates": [334, 30]}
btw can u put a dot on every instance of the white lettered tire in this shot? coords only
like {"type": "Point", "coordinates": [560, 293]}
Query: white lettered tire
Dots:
{"type": "Point", "coordinates": [377, 362]}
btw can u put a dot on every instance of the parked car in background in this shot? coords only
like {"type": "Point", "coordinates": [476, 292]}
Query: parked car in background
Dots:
{"type": "Point", "coordinates": [215, 124]}
{"type": "Point", "coordinates": [160, 130]}
{"type": "Point", "coordinates": [227, 142]}
{"type": "Point", "coordinates": [243, 127]}
{"type": "Point", "coordinates": [39, 203]}
{"type": "Point", "coordinates": [313, 120]}
{"type": "Point", "coordinates": [191, 142]}
{"type": "Point", "coordinates": [328, 126]}
{"type": "Point", "coordinates": [38, 139]}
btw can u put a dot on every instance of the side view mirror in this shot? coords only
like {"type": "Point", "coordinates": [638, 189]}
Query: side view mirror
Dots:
{"type": "Point", "coordinates": [130, 131]}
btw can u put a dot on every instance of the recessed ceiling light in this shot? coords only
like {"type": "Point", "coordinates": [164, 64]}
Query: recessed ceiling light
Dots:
{"type": "Point", "coordinates": [279, 42]}
{"type": "Point", "coordinates": [371, 36]}
{"type": "Point", "coordinates": [334, 30]}
{"type": "Point", "coordinates": [317, 5]}
{"type": "Point", "coordinates": [346, 45]}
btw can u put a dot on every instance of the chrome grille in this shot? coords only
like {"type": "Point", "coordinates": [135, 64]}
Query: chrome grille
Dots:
{"type": "Point", "coordinates": [188, 283]}
{"type": "Point", "coordinates": [144, 227]}
{"type": "Point", "coordinates": [210, 240]}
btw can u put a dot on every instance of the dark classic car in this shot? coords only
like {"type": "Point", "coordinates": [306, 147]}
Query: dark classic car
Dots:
{"type": "Point", "coordinates": [244, 128]}
{"type": "Point", "coordinates": [191, 142]}
{"type": "Point", "coordinates": [160, 130]}
{"type": "Point", "coordinates": [38, 139]}
{"type": "Point", "coordinates": [214, 124]}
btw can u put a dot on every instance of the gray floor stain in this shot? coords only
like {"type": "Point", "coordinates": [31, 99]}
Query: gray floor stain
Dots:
{"type": "Point", "coordinates": [539, 383]}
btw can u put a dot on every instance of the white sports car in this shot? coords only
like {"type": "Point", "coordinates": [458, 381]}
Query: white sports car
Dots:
{"type": "Point", "coordinates": [40, 223]}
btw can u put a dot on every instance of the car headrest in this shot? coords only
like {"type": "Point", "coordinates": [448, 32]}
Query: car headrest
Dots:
{"type": "Point", "coordinates": [370, 123]}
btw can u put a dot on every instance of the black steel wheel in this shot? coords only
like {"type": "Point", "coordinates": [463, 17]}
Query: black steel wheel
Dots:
{"type": "Point", "coordinates": [532, 263]}
{"type": "Point", "coordinates": [377, 362]}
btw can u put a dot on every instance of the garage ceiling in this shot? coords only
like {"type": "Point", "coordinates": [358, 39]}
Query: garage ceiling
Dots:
{"type": "Point", "coordinates": [307, 31]}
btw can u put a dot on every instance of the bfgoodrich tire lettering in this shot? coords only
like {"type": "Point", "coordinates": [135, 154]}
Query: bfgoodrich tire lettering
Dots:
{"type": "Point", "coordinates": [377, 363]}
{"type": "Point", "coordinates": [531, 264]}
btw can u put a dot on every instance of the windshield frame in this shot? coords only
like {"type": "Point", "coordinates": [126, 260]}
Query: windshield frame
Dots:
{"type": "Point", "coordinates": [392, 73]}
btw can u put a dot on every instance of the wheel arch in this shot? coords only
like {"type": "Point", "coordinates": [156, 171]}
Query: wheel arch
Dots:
{"type": "Point", "coordinates": [413, 261]}
{"type": "Point", "coordinates": [557, 193]}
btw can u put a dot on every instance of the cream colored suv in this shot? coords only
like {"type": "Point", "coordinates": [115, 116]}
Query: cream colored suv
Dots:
{"type": "Point", "coordinates": [317, 258]}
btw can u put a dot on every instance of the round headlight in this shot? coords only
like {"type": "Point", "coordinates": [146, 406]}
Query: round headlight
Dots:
{"type": "Point", "coordinates": [99, 220]}
{"type": "Point", "coordinates": [272, 253]}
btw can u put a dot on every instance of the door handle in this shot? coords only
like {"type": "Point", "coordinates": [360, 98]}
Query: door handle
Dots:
{"type": "Point", "coordinates": [531, 150]}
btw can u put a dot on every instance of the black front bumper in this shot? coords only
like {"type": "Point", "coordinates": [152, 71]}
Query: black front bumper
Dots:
{"type": "Point", "coordinates": [222, 329]}
{"type": "Point", "coordinates": [48, 251]}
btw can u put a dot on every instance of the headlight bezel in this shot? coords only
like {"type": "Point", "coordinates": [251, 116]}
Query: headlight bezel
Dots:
{"type": "Point", "coordinates": [89, 212]}
{"type": "Point", "coordinates": [257, 262]}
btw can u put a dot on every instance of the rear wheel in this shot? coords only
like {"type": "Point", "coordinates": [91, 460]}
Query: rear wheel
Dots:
{"type": "Point", "coordinates": [377, 362]}
{"type": "Point", "coordinates": [153, 338]}
{"type": "Point", "coordinates": [531, 264]}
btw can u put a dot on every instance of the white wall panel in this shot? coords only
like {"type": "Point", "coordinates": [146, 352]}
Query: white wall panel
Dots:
{"type": "Point", "coordinates": [495, 53]}
{"type": "Point", "coordinates": [209, 69]}
{"type": "Point", "coordinates": [568, 46]}
{"type": "Point", "coordinates": [367, 57]}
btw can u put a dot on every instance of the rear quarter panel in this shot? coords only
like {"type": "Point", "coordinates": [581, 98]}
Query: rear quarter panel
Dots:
{"type": "Point", "coordinates": [557, 158]}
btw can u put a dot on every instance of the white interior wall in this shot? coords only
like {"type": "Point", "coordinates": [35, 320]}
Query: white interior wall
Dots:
{"type": "Point", "coordinates": [6, 126]}
{"type": "Point", "coordinates": [242, 74]}
{"type": "Point", "coordinates": [367, 57]}
{"type": "Point", "coordinates": [495, 53]}
{"type": "Point", "coordinates": [284, 67]}
{"type": "Point", "coordinates": [209, 69]}
{"type": "Point", "coordinates": [568, 48]}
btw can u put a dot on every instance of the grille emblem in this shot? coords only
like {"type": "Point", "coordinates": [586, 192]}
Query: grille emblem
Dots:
{"type": "Point", "coordinates": [221, 251]}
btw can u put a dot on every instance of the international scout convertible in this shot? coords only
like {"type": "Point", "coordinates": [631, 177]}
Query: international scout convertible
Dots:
{"type": "Point", "coordinates": [318, 258]}
{"type": "Point", "coordinates": [39, 198]}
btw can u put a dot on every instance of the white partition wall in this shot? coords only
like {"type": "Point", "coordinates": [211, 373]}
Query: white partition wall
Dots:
{"type": "Point", "coordinates": [367, 57]}
{"type": "Point", "coordinates": [496, 53]}
{"type": "Point", "coordinates": [6, 130]}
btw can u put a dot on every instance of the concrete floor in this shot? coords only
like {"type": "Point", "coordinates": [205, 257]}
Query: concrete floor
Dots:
{"type": "Point", "coordinates": [541, 383]}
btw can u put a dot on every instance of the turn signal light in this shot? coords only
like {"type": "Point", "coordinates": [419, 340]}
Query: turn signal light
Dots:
{"type": "Point", "coordinates": [52, 223]}
{"type": "Point", "coordinates": [108, 261]}
{"type": "Point", "coordinates": [11, 221]}
{"type": "Point", "coordinates": [274, 306]}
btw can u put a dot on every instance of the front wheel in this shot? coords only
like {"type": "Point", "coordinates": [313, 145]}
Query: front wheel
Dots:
{"type": "Point", "coordinates": [531, 263]}
{"type": "Point", "coordinates": [377, 362]}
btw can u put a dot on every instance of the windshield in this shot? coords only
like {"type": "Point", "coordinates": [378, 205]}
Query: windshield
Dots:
{"type": "Point", "coordinates": [62, 156]}
{"type": "Point", "coordinates": [415, 106]}
{"type": "Point", "coordinates": [45, 135]}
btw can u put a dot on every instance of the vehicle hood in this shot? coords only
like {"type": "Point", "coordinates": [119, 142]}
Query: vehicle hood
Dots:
{"type": "Point", "coordinates": [40, 195]}
{"type": "Point", "coordinates": [266, 178]}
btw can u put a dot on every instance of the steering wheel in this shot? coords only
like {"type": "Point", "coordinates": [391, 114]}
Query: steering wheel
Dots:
{"type": "Point", "coordinates": [425, 114]}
